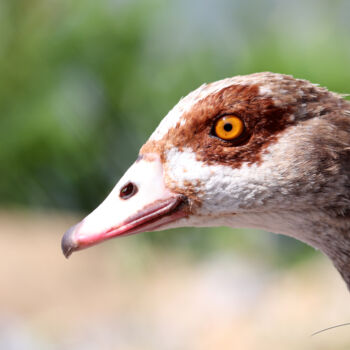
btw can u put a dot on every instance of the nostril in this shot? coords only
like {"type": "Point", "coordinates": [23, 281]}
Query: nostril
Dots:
{"type": "Point", "coordinates": [128, 190]}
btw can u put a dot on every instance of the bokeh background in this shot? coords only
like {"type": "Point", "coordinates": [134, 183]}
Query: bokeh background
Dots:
{"type": "Point", "coordinates": [83, 83]}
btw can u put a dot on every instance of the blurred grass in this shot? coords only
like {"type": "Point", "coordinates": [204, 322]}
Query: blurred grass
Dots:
{"type": "Point", "coordinates": [84, 83]}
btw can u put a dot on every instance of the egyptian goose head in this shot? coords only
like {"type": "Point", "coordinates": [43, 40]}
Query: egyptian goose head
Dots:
{"type": "Point", "coordinates": [260, 151]}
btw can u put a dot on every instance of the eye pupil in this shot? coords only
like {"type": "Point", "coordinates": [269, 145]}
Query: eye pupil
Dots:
{"type": "Point", "coordinates": [228, 127]}
{"type": "Point", "coordinates": [128, 190]}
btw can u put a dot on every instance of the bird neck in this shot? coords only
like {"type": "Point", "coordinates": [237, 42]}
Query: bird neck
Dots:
{"type": "Point", "coordinates": [321, 229]}
{"type": "Point", "coordinates": [326, 231]}
{"type": "Point", "coordinates": [330, 233]}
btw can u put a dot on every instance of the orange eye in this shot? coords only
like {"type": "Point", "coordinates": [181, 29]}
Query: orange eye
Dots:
{"type": "Point", "coordinates": [229, 127]}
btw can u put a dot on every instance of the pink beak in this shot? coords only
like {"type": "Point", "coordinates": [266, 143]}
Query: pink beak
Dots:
{"type": "Point", "coordinates": [152, 206]}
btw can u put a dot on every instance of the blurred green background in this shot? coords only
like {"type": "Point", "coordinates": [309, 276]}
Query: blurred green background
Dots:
{"type": "Point", "coordinates": [83, 83]}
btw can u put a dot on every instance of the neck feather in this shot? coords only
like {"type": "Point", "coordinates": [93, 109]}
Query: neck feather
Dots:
{"type": "Point", "coordinates": [323, 230]}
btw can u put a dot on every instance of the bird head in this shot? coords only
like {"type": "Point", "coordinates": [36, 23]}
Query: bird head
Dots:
{"type": "Point", "coordinates": [264, 150]}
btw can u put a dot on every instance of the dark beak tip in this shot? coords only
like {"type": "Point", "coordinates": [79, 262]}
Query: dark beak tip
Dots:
{"type": "Point", "coordinates": [68, 244]}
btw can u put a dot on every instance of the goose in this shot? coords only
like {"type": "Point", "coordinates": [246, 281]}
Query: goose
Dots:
{"type": "Point", "coordinates": [264, 150]}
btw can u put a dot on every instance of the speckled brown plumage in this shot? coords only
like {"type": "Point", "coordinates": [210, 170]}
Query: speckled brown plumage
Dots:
{"type": "Point", "coordinates": [264, 116]}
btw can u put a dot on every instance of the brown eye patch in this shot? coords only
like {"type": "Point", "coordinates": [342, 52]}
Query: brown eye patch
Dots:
{"type": "Point", "coordinates": [263, 121]}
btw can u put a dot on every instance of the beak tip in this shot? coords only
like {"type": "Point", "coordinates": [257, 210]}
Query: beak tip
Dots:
{"type": "Point", "coordinates": [68, 244]}
{"type": "Point", "coordinates": [67, 253]}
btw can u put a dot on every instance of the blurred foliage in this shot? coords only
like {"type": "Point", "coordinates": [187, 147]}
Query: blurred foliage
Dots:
{"type": "Point", "coordinates": [65, 67]}
{"type": "Point", "coordinates": [84, 82]}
